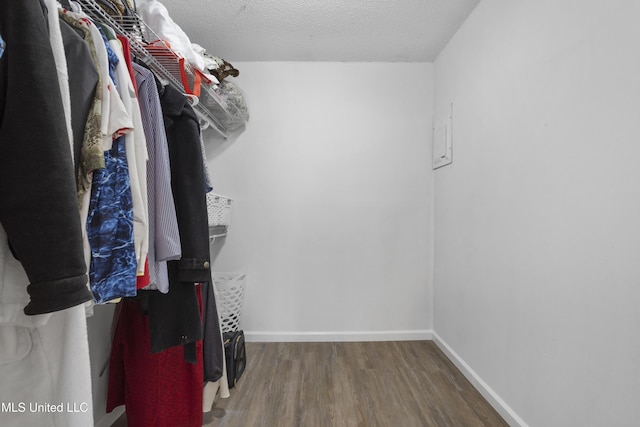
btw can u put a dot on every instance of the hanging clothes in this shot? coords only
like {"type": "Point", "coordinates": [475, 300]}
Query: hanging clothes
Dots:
{"type": "Point", "coordinates": [60, 59]}
{"type": "Point", "coordinates": [157, 389]}
{"type": "Point", "coordinates": [110, 229]}
{"type": "Point", "coordinates": [136, 149]}
{"type": "Point", "coordinates": [159, 336]}
{"type": "Point", "coordinates": [164, 235]}
{"type": "Point", "coordinates": [90, 153]}
{"type": "Point", "coordinates": [171, 333]}
{"type": "Point", "coordinates": [85, 77]}
{"type": "Point", "coordinates": [44, 355]}
{"type": "Point", "coordinates": [110, 220]}
{"type": "Point", "coordinates": [109, 276]}
{"type": "Point", "coordinates": [173, 316]}
{"type": "Point", "coordinates": [36, 172]}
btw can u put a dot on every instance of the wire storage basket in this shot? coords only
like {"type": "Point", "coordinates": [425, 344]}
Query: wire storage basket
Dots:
{"type": "Point", "coordinates": [229, 288]}
{"type": "Point", "coordinates": [214, 105]}
{"type": "Point", "coordinates": [219, 209]}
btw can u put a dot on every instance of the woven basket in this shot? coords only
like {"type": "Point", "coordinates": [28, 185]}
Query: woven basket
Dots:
{"type": "Point", "coordinates": [219, 209]}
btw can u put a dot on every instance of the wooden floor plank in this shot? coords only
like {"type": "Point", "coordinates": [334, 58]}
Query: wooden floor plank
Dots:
{"type": "Point", "coordinates": [368, 384]}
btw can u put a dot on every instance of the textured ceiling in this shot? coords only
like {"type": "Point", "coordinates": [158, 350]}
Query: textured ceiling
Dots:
{"type": "Point", "coordinates": [314, 30]}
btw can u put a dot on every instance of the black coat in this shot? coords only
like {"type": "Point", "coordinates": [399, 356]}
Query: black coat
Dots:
{"type": "Point", "coordinates": [38, 204]}
{"type": "Point", "coordinates": [174, 318]}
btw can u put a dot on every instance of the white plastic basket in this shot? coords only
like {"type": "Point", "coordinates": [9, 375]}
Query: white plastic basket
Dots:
{"type": "Point", "coordinates": [229, 288]}
{"type": "Point", "coordinates": [219, 209]}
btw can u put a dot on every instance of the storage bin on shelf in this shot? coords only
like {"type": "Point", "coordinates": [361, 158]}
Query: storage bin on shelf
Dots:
{"type": "Point", "coordinates": [229, 288]}
{"type": "Point", "coordinates": [219, 210]}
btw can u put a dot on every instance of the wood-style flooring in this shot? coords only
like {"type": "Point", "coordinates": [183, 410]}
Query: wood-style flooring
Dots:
{"type": "Point", "coordinates": [368, 384]}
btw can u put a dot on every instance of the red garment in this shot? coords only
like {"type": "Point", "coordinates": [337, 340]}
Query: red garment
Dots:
{"type": "Point", "coordinates": [159, 390]}
{"type": "Point", "coordinates": [126, 50]}
{"type": "Point", "coordinates": [145, 279]}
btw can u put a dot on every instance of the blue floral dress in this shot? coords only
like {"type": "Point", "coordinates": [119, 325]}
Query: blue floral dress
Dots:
{"type": "Point", "coordinates": [112, 271]}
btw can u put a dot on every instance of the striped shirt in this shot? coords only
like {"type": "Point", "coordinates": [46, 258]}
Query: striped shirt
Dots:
{"type": "Point", "coordinates": [164, 237]}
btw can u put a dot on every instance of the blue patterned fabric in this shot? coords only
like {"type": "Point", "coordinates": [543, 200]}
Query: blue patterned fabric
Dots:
{"type": "Point", "coordinates": [112, 271]}
{"type": "Point", "coordinates": [113, 58]}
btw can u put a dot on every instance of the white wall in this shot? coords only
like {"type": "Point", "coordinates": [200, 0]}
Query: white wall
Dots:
{"type": "Point", "coordinates": [332, 187]}
{"type": "Point", "coordinates": [537, 221]}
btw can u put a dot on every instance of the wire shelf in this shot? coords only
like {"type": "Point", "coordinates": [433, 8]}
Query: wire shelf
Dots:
{"type": "Point", "coordinates": [170, 68]}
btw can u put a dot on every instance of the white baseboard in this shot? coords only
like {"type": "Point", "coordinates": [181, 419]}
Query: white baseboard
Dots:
{"type": "Point", "coordinates": [108, 419]}
{"type": "Point", "coordinates": [334, 336]}
{"type": "Point", "coordinates": [487, 392]}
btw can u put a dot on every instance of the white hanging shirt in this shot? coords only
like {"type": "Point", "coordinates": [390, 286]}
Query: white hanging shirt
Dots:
{"type": "Point", "coordinates": [157, 18]}
{"type": "Point", "coordinates": [136, 148]}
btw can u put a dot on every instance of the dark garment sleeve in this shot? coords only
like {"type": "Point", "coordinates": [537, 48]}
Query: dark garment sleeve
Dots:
{"type": "Point", "coordinates": [174, 317]}
{"type": "Point", "coordinates": [38, 206]}
{"type": "Point", "coordinates": [212, 349]}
